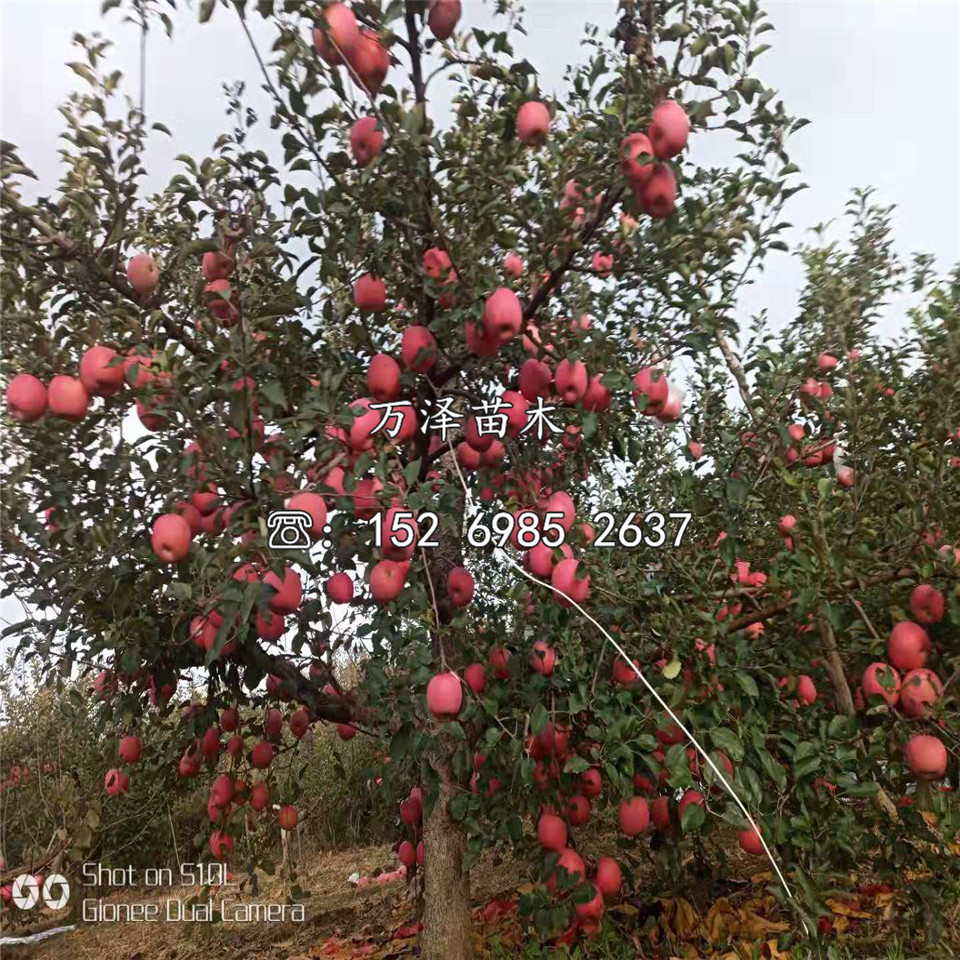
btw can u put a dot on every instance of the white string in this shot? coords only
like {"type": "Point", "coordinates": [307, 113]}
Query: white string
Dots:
{"type": "Point", "coordinates": [647, 684]}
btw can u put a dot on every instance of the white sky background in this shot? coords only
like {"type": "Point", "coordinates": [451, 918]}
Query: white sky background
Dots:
{"type": "Point", "coordinates": [880, 82]}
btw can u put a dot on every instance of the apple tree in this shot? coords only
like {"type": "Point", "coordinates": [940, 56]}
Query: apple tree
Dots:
{"type": "Point", "coordinates": [485, 340]}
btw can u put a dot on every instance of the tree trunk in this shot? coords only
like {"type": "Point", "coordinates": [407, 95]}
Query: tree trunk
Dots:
{"type": "Point", "coordinates": [446, 915]}
{"type": "Point", "coordinates": [841, 688]}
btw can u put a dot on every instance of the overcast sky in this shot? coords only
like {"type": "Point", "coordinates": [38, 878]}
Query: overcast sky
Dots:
{"type": "Point", "coordinates": [880, 82]}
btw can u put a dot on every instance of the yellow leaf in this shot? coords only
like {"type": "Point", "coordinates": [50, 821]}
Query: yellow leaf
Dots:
{"type": "Point", "coordinates": [679, 919]}
{"type": "Point", "coordinates": [722, 922]}
{"type": "Point", "coordinates": [840, 925]}
{"type": "Point", "coordinates": [845, 909]}
{"type": "Point", "coordinates": [758, 927]}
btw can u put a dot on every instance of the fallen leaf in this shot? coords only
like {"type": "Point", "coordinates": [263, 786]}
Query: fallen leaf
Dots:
{"type": "Point", "coordinates": [679, 919]}
{"type": "Point", "coordinates": [757, 927]}
{"type": "Point", "coordinates": [845, 909]}
{"type": "Point", "coordinates": [722, 922]}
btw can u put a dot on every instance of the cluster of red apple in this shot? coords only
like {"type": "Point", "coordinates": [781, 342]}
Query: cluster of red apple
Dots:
{"type": "Point", "coordinates": [918, 692]}
{"type": "Point", "coordinates": [103, 371]}
{"type": "Point", "coordinates": [339, 40]}
{"type": "Point", "coordinates": [411, 815]}
{"type": "Point", "coordinates": [551, 748]}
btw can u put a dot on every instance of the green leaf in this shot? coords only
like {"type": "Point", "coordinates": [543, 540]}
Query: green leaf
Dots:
{"type": "Point", "coordinates": [727, 741]}
{"type": "Point", "coordinates": [206, 10]}
{"type": "Point", "coordinates": [539, 719]}
{"type": "Point", "coordinates": [747, 684]}
{"type": "Point", "coordinates": [860, 790]}
{"type": "Point", "coordinates": [693, 817]}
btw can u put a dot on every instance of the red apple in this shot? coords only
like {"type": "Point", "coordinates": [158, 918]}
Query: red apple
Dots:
{"type": "Point", "coordinates": [608, 876]}
{"type": "Point", "coordinates": [443, 17]}
{"type": "Point", "coordinates": [273, 723]}
{"type": "Point", "coordinates": [787, 523]}
{"type": "Point", "coordinates": [564, 578]}
{"type": "Point", "coordinates": [444, 695]}
{"type": "Point", "coordinates": [338, 35]}
{"type": "Point", "coordinates": [570, 381]}
{"type": "Point", "coordinates": [222, 301]}
{"type": "Point", "coordinates": [260, 794]}
{"type": "Point", "coordinates": [366, 140]}
{"type": "Point", "coordinates": [370, 59]}
{"type": "Point", "coordinates": [542, 658]}
{"type": "Point", "coordinates": [143, 274]}
{"type": "Point", "coordinates": [926, 756]}
{"type": "Point", "coordinates": [513, 265]}
{"type": "Point", "coordinates": [535, 379]}
{"type": "Point", "coordinates": [383, 378]}
{"type": "Point", "coordinates": [262, 756]}
{"type": "Point", "coordinates": [926, 604]}
{"type": "Point", "coordinates": [216, 266]}
{"type": "Point", "coordinates": [339, 588]}
{"type": "Point", "coordinates": [881, 680]}
{"type": "Point", "coordinates": [826, 362]}
{"type": "Point", "coordinates": [623, 673]}
{"type": "Point", "coordinates": [386, 580]}
{"type": "Point", "coordinates": [658, 195]}
{"type": "Point", "coordinates": [806, 690]}
{"type": "Point", "coordinates": [170, 538]}
{"type": "Point", "coordinates": [288, 817]}
{"type": "Point", "coordinates": [26, 398]}
{"type": "Point", "coordinates": [572, 862]}
{"type": "Point", "coordinates": [499, 661]}
{"type": "Point", "coordinates": [920, 692]}
{"type": "Point", "coordinates": [476, 678]}
{"type": "Point", "coordinates": [634, 816]}
{"type": "Point", "coordinates": [418, 349]}
{"type": "Point", "coordinates": [597, 396]}
{"type": "Point", "coordinates": [370, 294]}
{"type": "Point", "coordinates": [131, 749]}
{"type": "Point", "coordinates": [632, 147]}
{"type": "Point", "coordinates": [289, 591]}
{"type": "Point", "coordinates": [533, 123]}
{"type": "Point", "coordinates": [578, 810]}
{"type": "Point", "coordinates": [846, 476]}
{"type": "Point", "coordinates": [750, 841]}
{"type": "Point", "coordinates": [460, 586]}
{"type": "Point", "coordinates": [514, 405]}
{"type": "Point", "coordinates": [116, 782]}
{"type": "Point", "coordinates": [67, 398]}
{"type": "Point", "coordinates": [299, 722]}
{"type": "Point", "coordinates": [601, 264]}
{"type": "Point", "coordinates": [552, 832]}
{"type": "Point", "coordinates": [651, 384]}
{"type": "Point", "coordinates": [96, 374]}
{"type": "Point", "coordinates": [909, 646]}
{"type": "Point", "coordinates": [407, 854]}
{"type": "Point", "coordinates": [669, 129]}
{"type": "Point", "coordinates": [314, 505]}
{"type": "Point", "coordinates": [502, 315]}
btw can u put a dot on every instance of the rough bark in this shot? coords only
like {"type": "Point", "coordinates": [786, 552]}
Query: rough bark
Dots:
{"type": "Point", "coordinates": [841, 689]}
{"type": "Point", "coordinates": [446, 915]}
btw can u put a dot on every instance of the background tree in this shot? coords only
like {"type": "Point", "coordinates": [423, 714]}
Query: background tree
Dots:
{"type": "Point", "coordinates": [570, 250]}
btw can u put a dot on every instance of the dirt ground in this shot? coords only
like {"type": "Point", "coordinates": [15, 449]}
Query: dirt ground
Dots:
{"type": "Point", "coordinates": [334, 908]}
{"type": "Point", "coordinates": [729, 919]}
